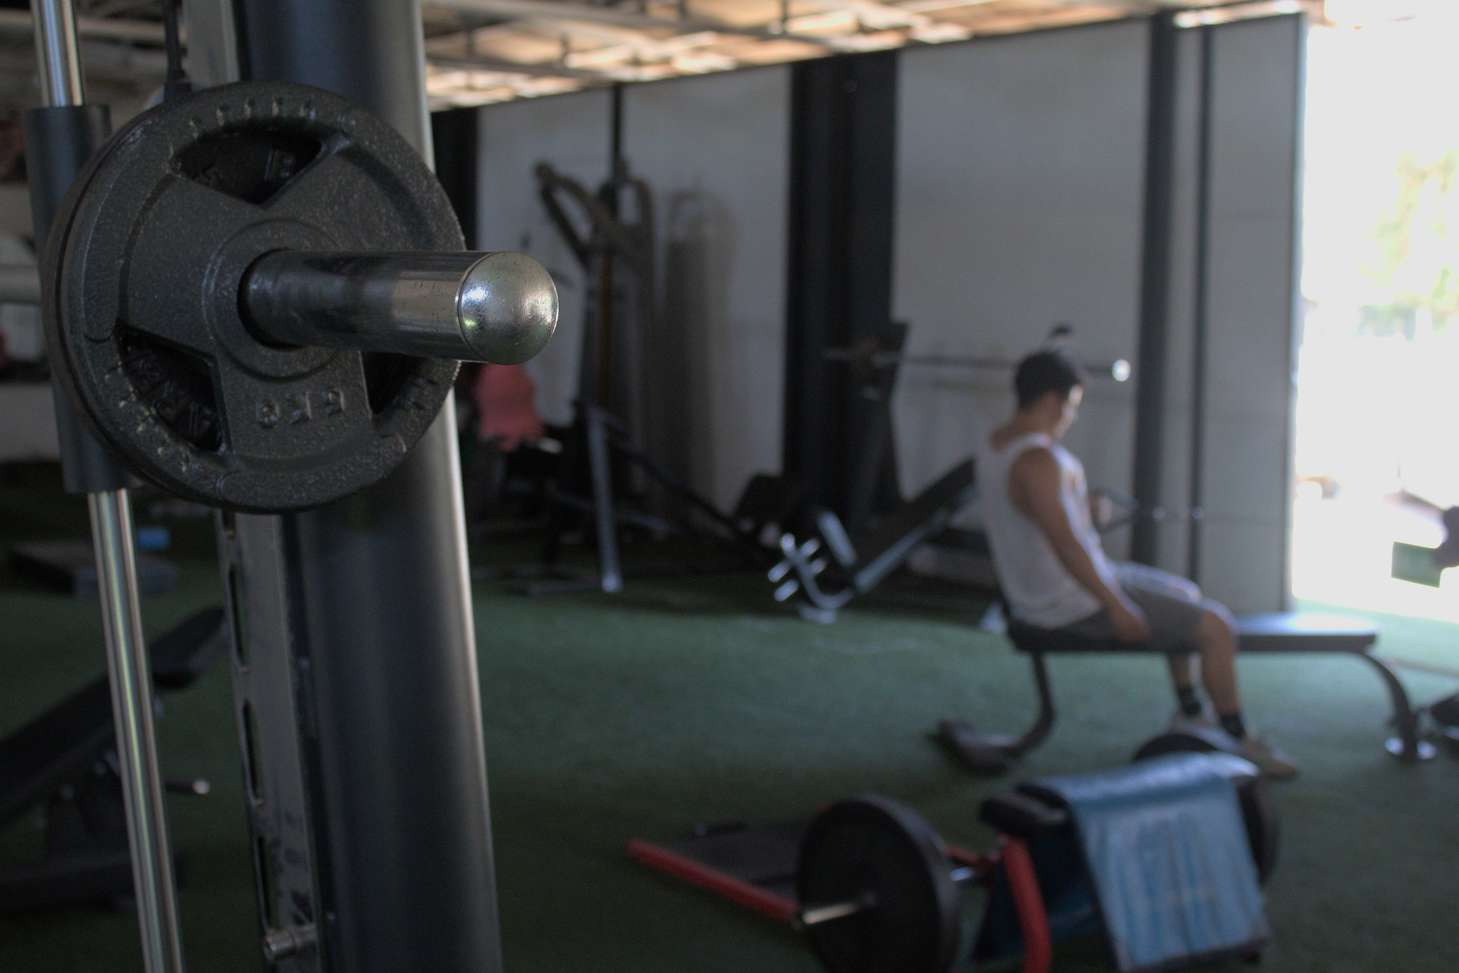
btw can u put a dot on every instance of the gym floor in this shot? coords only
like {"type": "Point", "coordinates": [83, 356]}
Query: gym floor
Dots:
{"type": "Point", "coordinates": [695, 699]}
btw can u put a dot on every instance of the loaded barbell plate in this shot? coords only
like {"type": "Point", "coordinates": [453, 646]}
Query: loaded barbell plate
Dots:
{"type": "Point", "coordinates": [885, 856]}
{"type": "Point", "coordinates": [1258, 813]}
{"type": "Point", "coordinates": [142, 300]}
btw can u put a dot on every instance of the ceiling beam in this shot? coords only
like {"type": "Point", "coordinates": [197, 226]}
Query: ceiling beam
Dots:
{"type": "Point", "coordinates": [139, 70]}
{"type": "Point", "coordinates": [141, 31]}
{"type": "Point", "coordinates": [530, 69]}
{"type": "Point", "coordinates": [877, 13]}
{"type": "Point", "coordinates": [880, 15]}
{"type": "Point", "coordinates": [630, 20]}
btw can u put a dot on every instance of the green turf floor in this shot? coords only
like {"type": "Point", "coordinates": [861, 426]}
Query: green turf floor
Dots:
{"type": "Point", "coordinates": [696, 700]}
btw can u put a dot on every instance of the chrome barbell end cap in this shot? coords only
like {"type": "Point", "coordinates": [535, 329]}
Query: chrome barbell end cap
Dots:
{"type": "Point", "coordinates": [507, 308]}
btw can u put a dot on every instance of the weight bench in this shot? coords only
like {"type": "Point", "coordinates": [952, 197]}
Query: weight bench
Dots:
{"type": "Point", "coordinates": [63, 758]}
{"type": "Point", "coordinates": [1276, 632]}
{"type": "Point", "coordinates": [859, 567]}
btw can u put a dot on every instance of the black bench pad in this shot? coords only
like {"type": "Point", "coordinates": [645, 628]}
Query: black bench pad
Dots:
{"type": "Point", "coordinates": [1299, 631]}
{"type": "Point", "coordinates": [912, 523]}
{"type": "Point", "coordinates": [1306, 631]}
{"type": "Point", "coordinates": [66, 738]}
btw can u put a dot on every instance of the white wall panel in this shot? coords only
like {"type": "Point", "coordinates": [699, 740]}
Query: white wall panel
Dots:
{"type": "Point", "coordinates": [1019, 195]}
{"type": "Point", "coordinates": [716, 151]}
{"type": "Point", "coordinates": [571, 133]}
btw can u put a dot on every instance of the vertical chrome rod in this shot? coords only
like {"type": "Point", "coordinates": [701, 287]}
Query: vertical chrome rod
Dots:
{"type": "Point", "coordinates": [131, 704]}
{"type": "Point", "coordinates": [59, 69]}
{"type": "Point", "coordinates": [57, 63]}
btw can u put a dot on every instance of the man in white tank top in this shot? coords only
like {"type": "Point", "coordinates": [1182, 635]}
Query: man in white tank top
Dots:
{"type": "Point", "coordinates": [1054, 572]}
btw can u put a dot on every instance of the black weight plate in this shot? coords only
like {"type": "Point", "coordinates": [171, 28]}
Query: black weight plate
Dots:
{"type": "Point", "coordinates": [1258, 814]}
{"type": "Point", "coordinates": [1190, 739]}
{"type": "Point", "coordinates": [875, 850]}
{"type": "Point", "coordinates": [145, 265]}
{"type": "Point", "coordinates": [1263, 828]}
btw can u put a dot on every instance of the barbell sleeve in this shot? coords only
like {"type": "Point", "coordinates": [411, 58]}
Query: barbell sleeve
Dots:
{"type": "Point", "coordinates": [488, 307]}
{"type": "Point", "coordinates": [816, 915]}
{"type": "Point", "coordinates": [830, 912]}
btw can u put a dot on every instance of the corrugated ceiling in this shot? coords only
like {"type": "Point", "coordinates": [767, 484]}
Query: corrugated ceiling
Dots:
{"type": "Point", "coordinates": [483, 51]}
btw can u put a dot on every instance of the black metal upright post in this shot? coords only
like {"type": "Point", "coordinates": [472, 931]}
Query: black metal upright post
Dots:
{"type": "Point", "coordinates": [842, 219]}
{"type": "Point", "coordinates": [359, 702]}
{"type": "Point", "coordinates": [453, 136]}
{"type": "Point", "coordinates": [1202, 316]}
{"type": "Point", "coordinates": [1151, 365]}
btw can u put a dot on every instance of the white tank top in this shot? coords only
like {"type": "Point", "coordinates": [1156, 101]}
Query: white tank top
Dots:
{"type": "Point", "coordinates": [1039, 589]}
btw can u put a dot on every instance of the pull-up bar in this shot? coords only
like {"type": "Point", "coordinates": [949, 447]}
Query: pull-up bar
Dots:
{"type": "Point", "coordinates": [868, 355]}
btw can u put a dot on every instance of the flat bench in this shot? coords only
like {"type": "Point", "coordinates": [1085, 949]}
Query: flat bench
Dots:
{"type": "Point", "coordinates": [63, 741]}
{"type": "Point", "coordinates": [1274, 632]}
{"type": "Point", "coordinates": [59, 751]}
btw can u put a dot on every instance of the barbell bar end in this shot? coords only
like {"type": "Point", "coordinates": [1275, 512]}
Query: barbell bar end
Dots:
{"type": "Point", "coordinates": [507, 307]}
{"type": "Point", "coordinates": [498, 307]}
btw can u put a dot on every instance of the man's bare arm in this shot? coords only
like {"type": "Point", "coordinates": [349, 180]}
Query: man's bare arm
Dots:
{"type": "Point", "coordinates": [1034, 486]}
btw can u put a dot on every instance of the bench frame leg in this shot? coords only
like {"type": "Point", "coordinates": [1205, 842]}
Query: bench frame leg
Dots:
{"type": "Point", "coordinates": [996, 753]}
{"type": "Point", "coordinates": [1043, 724]}
{"type": "Point", "coordinates": [1406, 745]}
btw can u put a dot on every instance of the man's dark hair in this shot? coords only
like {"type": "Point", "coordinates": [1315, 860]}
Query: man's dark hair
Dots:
{"type": "Point", "coordinates": [1045, 371]}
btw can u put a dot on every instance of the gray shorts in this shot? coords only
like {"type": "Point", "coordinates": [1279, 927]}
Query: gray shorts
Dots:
{"type": "Point", "coordinates": [1172, 605]}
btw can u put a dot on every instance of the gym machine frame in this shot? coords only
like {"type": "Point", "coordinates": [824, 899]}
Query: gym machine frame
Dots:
{"type": "Point", "coordinates": [60, 136]}
{"type": "Point", "coordinates": [365, 760]}
{"type": "Point", "coordinates": [602, 455]}
{"type": "Point", "coordinates": [188, 241]}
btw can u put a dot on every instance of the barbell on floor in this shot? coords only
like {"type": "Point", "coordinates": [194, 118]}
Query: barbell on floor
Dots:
{"type": "Point", "coordinates": [882, 892]}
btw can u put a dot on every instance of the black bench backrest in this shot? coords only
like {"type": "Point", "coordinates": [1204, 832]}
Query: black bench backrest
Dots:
{"type": "Point", "coordinates": [886, 547]}
{"type": "Point", "coordinates": [67, 738]}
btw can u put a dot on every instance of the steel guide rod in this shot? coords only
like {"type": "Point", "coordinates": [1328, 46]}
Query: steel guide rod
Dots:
{"type": "Point", "coordinates": [126, 648]}
{"type": "Point", "coordinates": [58, 65]}
{"type": "Point", "coordinates": [131, 704]}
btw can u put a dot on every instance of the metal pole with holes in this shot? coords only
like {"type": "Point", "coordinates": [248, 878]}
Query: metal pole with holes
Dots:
{"type": "Point", "coordinates": [65, 123]}
{"type": "Point", "coordinates": [356, 674]}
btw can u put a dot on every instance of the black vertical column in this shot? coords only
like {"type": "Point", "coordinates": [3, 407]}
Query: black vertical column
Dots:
{"type": "Point", "coordinates": [59, 140]}
{"type": "Point", "coordinates": [376, 608]}
{"type": "Point", "coordinates": [1155, 283]}
{"type": "Point", "coordinates": [1201, 324]}
{"type": "Point", "coordinates": [839, 280]}
{"type": "Point", "coordinates": [453, 136]}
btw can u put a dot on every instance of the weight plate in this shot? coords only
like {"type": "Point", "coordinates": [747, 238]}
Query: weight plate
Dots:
{"type": "Point", "coordinates": [145, 266]}
{"type": "Point", "coordinates": [1263, 827]}
{"type": "Point", "coordinates": [875, 851]}
{"type": "Point", "coordinates": [1258, 813]}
